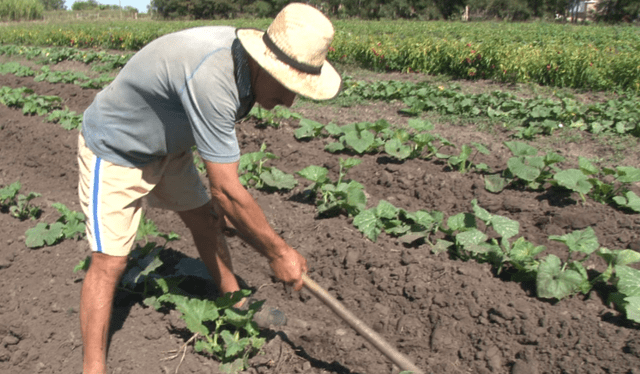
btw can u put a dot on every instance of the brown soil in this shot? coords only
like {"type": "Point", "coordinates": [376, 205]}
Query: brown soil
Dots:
{"type": "Point", "coordinates": [448, 316]}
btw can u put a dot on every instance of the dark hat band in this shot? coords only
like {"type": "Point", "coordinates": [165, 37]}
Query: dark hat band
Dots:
{"type": "Point", "coordinates": [305, 68]}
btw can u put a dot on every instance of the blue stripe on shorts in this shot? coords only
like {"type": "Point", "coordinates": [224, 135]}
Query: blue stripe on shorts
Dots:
{"type": "Point", "coordinates": [95, 202]}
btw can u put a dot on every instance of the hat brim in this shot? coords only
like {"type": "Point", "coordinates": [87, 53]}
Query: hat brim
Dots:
{"type": "Point", "coordinates": [323, 86]}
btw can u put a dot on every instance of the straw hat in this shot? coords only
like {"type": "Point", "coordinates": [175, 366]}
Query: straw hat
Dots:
{"type": "Point", "coordinates": [294, 50]}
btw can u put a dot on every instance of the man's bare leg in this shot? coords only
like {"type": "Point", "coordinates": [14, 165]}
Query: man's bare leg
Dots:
{"type": "Point", "coordinates": [96, 304]}
{"type": "Point", "coordinates": [207, 231]}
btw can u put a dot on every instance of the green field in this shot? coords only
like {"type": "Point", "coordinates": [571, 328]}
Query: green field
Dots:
{"type": "Point", "coordinates": [558, 55]}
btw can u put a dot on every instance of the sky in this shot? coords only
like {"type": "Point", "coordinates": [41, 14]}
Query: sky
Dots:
{"type": "Point", "coordinates": [141, 5]}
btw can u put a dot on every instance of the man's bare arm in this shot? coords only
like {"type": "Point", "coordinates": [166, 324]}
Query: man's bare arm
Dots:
{"type": "Point", "coordinates": [247, 217]}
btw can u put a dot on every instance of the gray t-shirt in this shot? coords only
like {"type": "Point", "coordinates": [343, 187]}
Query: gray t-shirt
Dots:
{"type": "Point", "coordinates": [182, 89]}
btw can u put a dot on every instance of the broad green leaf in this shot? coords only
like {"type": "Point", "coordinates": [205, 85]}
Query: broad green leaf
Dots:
{"type": "Point", "coordinates": [278, 179]}
{"type": "Point", "coordinates": [522, 170]}
{"type": "Point", "coordinates": [10, 191]}
{"type": "Point", "coordinates": [632, 308]}
{"type": "Point", "coordinates": [441, 246]}
{"type": "Point", "coordinates": [239, 319]}
{"type": "Point", "coordinates": [232, 345]}
{"type": "Point", "coordinates": [153, 265]}
{"type": "Point", "coordinates": [397, 149]}
{"type": "Point", "coordinates": [523, 250]}
{"type": "Point", "coordinates": [628, 280]}
{"type": "Point", "coordinates": [574, 180]}
{"type": "Point", "coordinates": [333, 129]}
{"type": "Point", "coordinates": [552, 282]}
{"type": "Point", "coordinates": [232, 367]}
{"type": "Point", "coordinates": [618, 256]}
{"type": "Point", "coordinates": [195, 312]}
{"type": "Point", "coordinates": [308, 129]}
{"type": "Point", "coordinates": [481, 148]}
{"type": "Point", "coordinates": [494, 183]}
{"type": "Point", "coordinates": [552, 158]}
{"type": "Point", "coordinates": [43, 234]}
{"type": "Point", "coordinates": [367, 222]}
{"type": "Point", "coordinates": [73, 228]}
{"type": "Point", "coordinates": [480, 212]}
{"type": "Point", "coordinates": [585, 285]}
{"type": "Point", "coordinates": [423, 218]}
{"type": "Point", "coordinates": [628, 174]}
{"type": "Point", "coordinates": [334, 147]}
{"type": "Point", "coordinates": [584, 241]}
{"type": "Point", "coordinates": [348, 163]}
{"type": "Point", "coordinates": [521, 149]}
{"type": "Point", "coordinates": [461, 222]}
{"type": "Point", "coordinates": [193, 267]}
{"type": "Point", "coordinates": [314, 173]}
{"type": "Point", "coordinates": [628, 200]}
{"type": "Point", "coordinates": [420, 125]}
{"type": "Point", "coordinates": [360, 141]}
{"type": "Point", "coordinates": [203, 346]}
{"type": "Point", "coordinates": [505, 227]}
{"type": "Point", "coordinates": [386, 210]}
{"type": "Point", "coordinates": [356, 197]}
{"type": "Point", "coordinates": [470, 237]}
{"type": "Point", "coordinates": [586, 166]}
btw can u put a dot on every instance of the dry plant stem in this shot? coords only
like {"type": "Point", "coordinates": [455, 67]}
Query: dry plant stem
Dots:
{"type": "Point", "coordinates": [182, 348]}
{"type": "Point", "coordinates": [371, 336]}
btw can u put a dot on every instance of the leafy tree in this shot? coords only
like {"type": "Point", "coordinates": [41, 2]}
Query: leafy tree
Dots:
{"type": "Point", "coordinates": [618, 10]}
{"type": "Point", "coordinates": [53, 4]}
{"type": "Point", "coordinates": [85, 5]}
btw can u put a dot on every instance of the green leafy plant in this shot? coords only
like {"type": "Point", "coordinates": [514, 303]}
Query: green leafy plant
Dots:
{"type": "Point", "coordinates": [625, 278]}
{"type": "Point", "coordinates": [558, 279]}
{"type": "Point", "coordinates": [308, 129]}
{"type": "Point", "coordinates": [219, 330]}
{"type": "Point", "coordinates": [409, 226]}
{"type": "Point", "coordinates": [227, 334]}
{"type": "Point", "coordinates": [70, 225]}
{"type": "Point", "coordinates": [8, 195]}
{"type": "Point", "coordinates": [69, 120]}
{"type": "Point", "coordinates": [334, 198]}
{"type": "Point", "coordinates": [254, 173]}
{"type": "Point", "coordinates": [271, 117]}
{"type": "Point", "coordinates": [18, 205]}
{"type": "Point", "coordinates": [526, 168]}
{"type": "Point", "coordinates": [463, 162]}
{"type": "Point", "coordinates": [591, 181]}
{"type": "Point", "coordinates": [359, 137]}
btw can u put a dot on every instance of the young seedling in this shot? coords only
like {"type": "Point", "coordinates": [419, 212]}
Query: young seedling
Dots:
{"type": "Point", "coordinates": [70, 225]}
{"type": "Point", "coordinates": [558, 280]}
{"type": "Point", "coordinates": [526, 168]}
{"type": "Point", "coordinates": [334, 198]}
{"type": "Point", "coordinates": [254, 173]}
{"type": "Point", "coordinates": [18, 205]}
{"type": "Point", "coordinates": [409, 226]}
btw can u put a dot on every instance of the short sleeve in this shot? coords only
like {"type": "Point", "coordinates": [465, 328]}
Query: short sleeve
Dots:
{"type": "Point", "coordinates": [210, 99]}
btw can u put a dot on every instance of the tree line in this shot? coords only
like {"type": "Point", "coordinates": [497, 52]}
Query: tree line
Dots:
{"type": "Point", "coordinates": [512, 10]}
{"type": "Point", "coordinates": [515, 10]}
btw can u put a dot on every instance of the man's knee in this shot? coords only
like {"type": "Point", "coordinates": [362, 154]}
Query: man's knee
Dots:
{"type": "Point", "coordinates": [110, 267]}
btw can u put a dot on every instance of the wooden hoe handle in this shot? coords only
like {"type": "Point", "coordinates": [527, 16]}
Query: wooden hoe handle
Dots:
{"type": "Point", "coordinates": [372, 337]}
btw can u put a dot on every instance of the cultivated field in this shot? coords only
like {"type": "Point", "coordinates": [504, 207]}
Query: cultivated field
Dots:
{"type": "Point", "coordinates": [482, 224]}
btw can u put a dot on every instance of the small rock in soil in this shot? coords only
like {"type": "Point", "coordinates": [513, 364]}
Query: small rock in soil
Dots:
{"type": "Point", "coordinates": [523, 367]}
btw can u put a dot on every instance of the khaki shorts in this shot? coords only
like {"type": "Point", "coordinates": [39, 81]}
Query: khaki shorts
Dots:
{"type": "Point", "coordinates": [111, 195]}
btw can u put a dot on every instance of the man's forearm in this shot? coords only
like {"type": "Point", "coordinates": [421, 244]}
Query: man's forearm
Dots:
{"type": "Point", "coordinates": [247, 217]}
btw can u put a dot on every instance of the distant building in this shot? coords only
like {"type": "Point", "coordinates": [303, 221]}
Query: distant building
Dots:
{"type": "Point", "coordinates": [583, 10]}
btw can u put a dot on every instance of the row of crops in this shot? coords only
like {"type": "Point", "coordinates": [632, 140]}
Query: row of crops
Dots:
{"type": "Point", "coordinates": [466, 234]}
{"type": "Point", "coordinates": [526, 169]}
{"type": "Point", "coordinates": [528, 117]}
{"type": "Point", "coordinates": [595, 57]}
